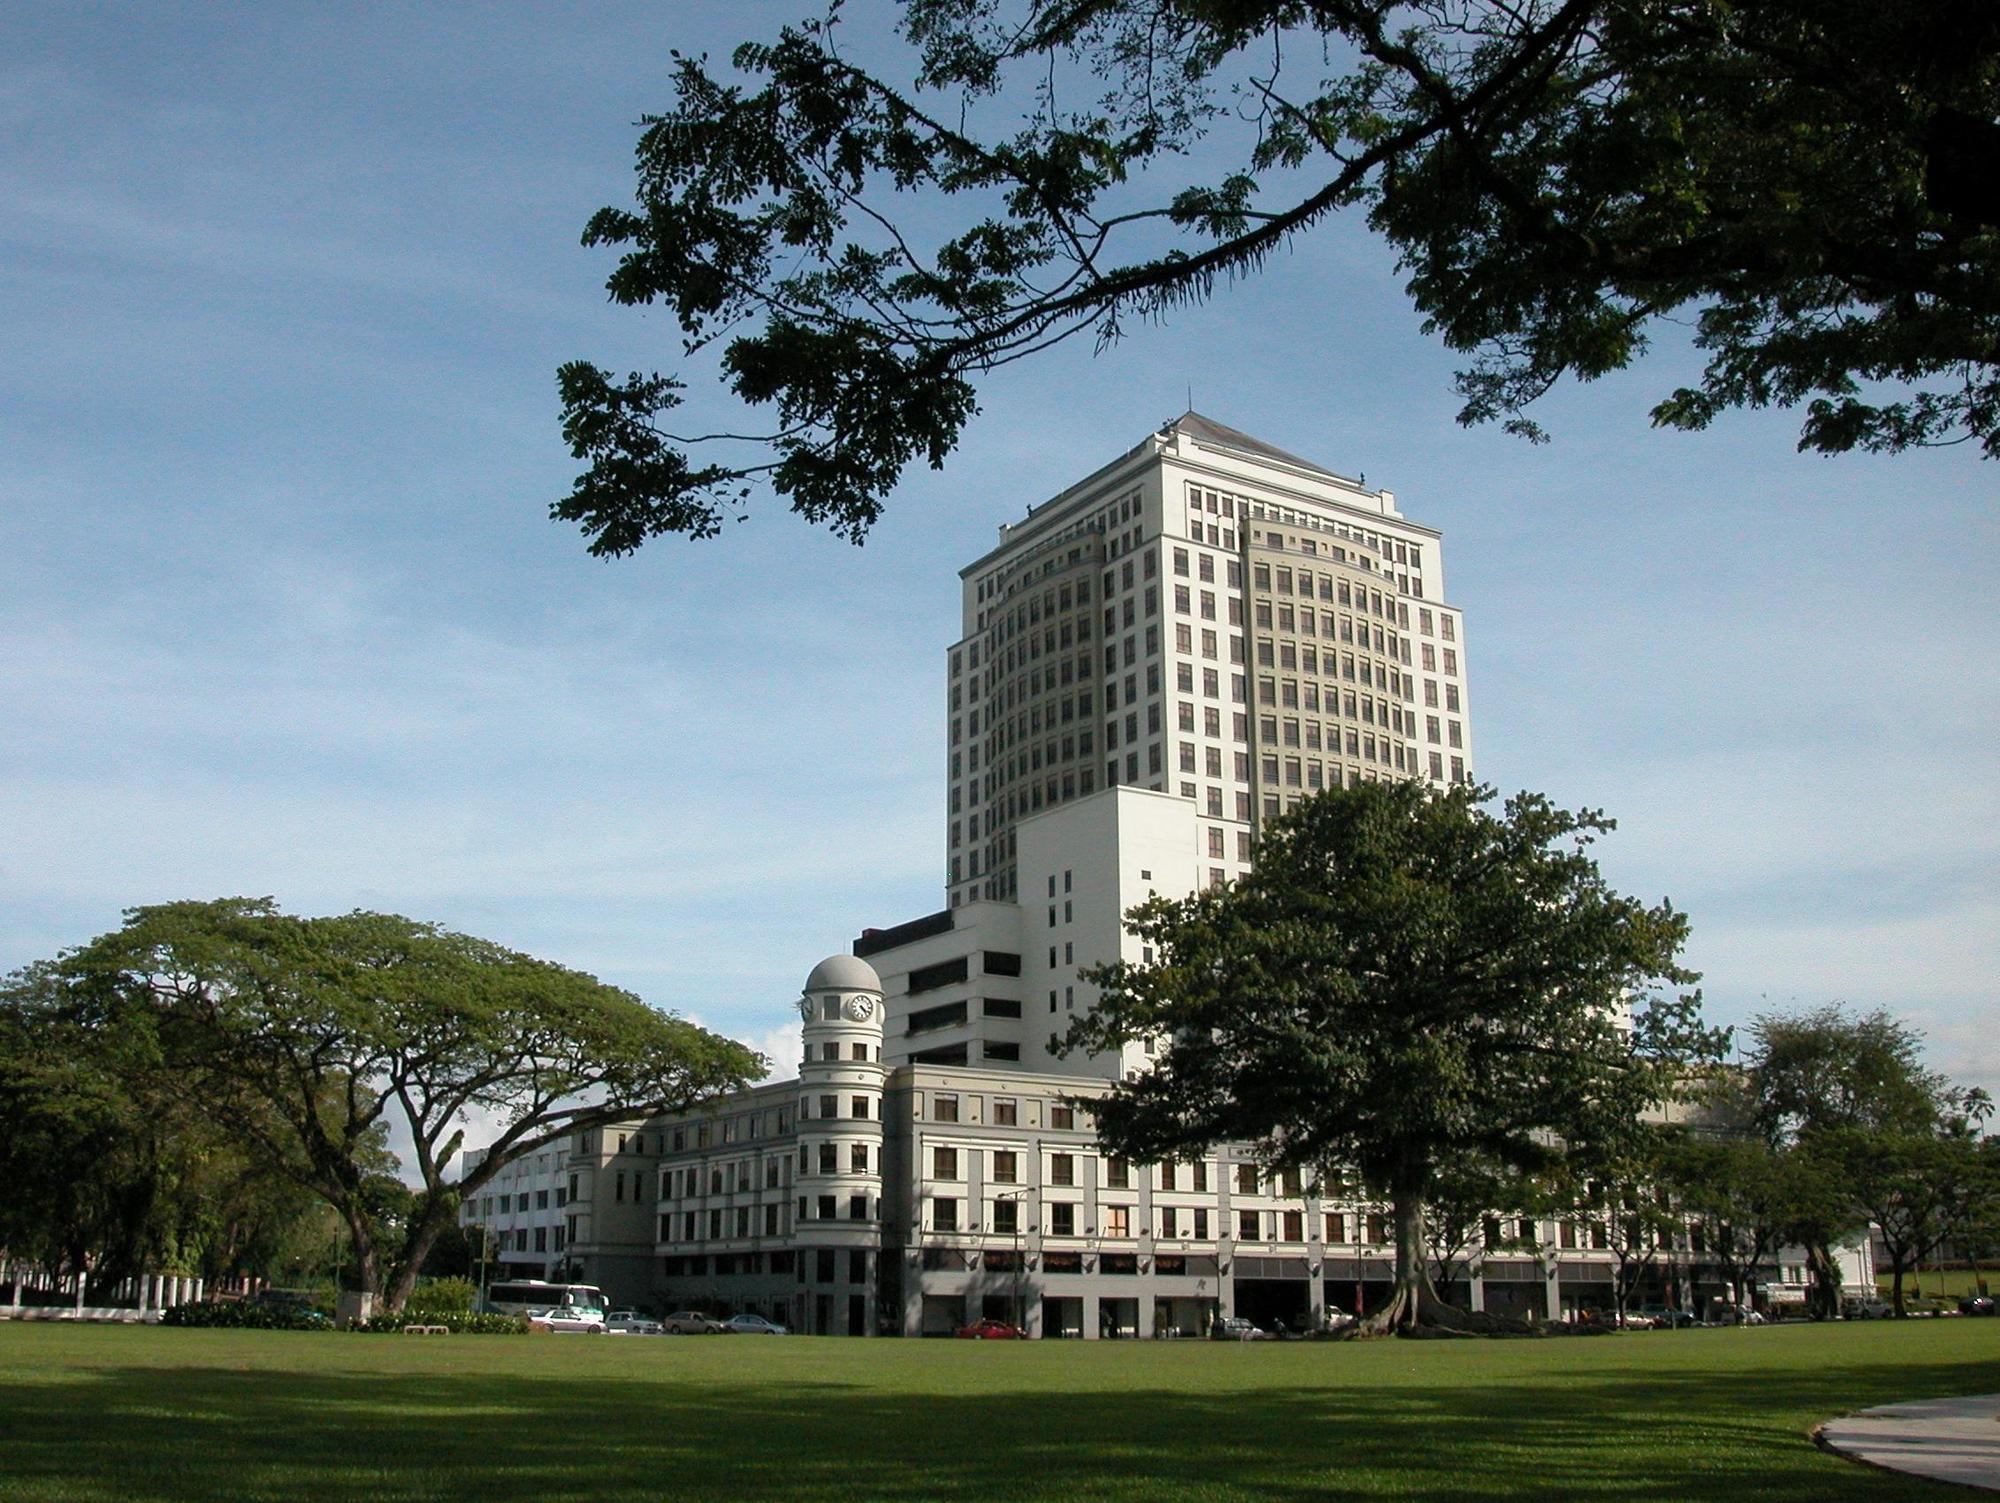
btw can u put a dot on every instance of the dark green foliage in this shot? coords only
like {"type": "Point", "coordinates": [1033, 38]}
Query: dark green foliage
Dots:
{"type": "Point", "coordinates": [1407, 985]}
{"type": "Point", "coordinates": [99, 1172]}
{"type": "Point", "coordinates": [1811, 184]}
{"type": "Point", "coordinates": [1863, 1133]}
{"type": "Point", "coordinates": [302, 1038]}
{"type": "Point", "coordinates": [460, 1322]}
{"type": "Point", "coordinates": [442, 1297]}
{"type": "Point", "coordinates": [246, 1315]}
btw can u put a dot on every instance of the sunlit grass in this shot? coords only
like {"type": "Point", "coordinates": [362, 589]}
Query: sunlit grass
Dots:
{"type": "Point", "coordinates": [121, 1414]}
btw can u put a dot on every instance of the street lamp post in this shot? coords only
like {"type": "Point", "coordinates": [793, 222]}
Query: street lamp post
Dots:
{"type": "Point", "coordinates": [1020, 1257]}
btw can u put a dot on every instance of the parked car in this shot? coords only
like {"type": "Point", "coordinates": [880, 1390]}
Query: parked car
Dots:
{"type": "Point", "coordinates": [1866, 1308]}
{"type": "Point", "coordinates": [631, 1323]}
{"type": "Point", "coordinates": [1666, 1315]}
{"type": "Point", "coordinates": [751, 1325]}
{"type": "Point", "coordinates": [1238, 1328]}
{"type": "Point", "coordinates": [691, 1323]}
{"type": "Point", "coordinates": [295, 1302]}
{"type": "Point", "coordinates": [567, 1318]}
{"type": "Point", "coordinates": [1976, 1304]}
{"type": "Point", "coordinates": [992, 1330]}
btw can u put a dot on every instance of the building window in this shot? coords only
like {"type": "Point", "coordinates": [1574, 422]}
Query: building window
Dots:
{"type": "Point", "coordinates": [1062, 1169]}
{"type": "Point", "coordinates": [1117, 1221]}
{"type": "Point", "coordinates": [1246, 1226]}
{"type": "Point", "coordinates": [1007, 1217]}
{"type": "Point", "coordinates": [1062, 1118]}
{"type": "Point", "coordinates": [944, 1163]}
{"type": "Point", "coordinates": [1005, 1166]}
{"type": "Point", "coordinates": [1246, 1179]}
{"type": "Point", "coordinates": [1062, 1219]}
{"type": "Point", "coordinates": [945, 1108]}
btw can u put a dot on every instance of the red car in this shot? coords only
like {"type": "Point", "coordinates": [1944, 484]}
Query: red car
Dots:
{"type": "Point", "coordinates": [992, 1330]}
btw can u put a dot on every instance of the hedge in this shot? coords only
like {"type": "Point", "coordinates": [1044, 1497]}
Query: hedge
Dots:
{"type": "Point", "coordinates": [246, 1316]}
{"type": "Point", "coordinates": [460, 1323]}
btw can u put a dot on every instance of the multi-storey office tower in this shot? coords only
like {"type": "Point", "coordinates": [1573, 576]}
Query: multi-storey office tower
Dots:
{"type": "Point", "coordinates": [1155, 662]}
{"type": "Point", "coordinates": [1207, 617]}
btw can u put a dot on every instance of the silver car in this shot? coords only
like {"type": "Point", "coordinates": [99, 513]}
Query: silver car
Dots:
{"type": "Point", "coordinates": [753, 1325]}
{"type": "Point", "coordinates": [691, 1323]}
{"type": "Point", "coordinates": [631, 1323]}
{"type": "Point", "coordinates": [567, 1318]}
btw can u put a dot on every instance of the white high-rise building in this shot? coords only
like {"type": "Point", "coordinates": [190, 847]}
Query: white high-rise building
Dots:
{"type": "Point", "coordinates": [1209, 618]}
{"type": "Point", "coordinates": [1153, 663]}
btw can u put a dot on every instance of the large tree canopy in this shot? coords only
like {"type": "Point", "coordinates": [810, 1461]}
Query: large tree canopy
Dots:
{"type": "Point", "coordinates": [1815, 184]}
{"type": "Point", "coordinates": [308, 1037]}
{"type": "Point", "coordinates": [1867, 1134]}
{"type": "Point", "coordinates": [1406, 984]}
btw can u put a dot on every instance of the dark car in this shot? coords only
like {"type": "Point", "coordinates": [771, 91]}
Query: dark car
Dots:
{"type": "Point", "coordinates": [992, 1330]}
{"type": "Point", "coordinates": [1976, 1304]}
{"type": "Point", "coordinates": [1664, 1315]}
{"type": "Point", "coordinates": [296, 1303]}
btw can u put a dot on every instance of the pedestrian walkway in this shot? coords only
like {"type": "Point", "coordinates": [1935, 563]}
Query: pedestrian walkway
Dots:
{"type": "Point", "coordinates": [1945, 1440]}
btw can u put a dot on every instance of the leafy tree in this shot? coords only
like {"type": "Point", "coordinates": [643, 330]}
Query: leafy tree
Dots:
{"type": "Point", "coordinates": [308, 1036]}
{"type": "Point", "coordinates": [1406, 981]}
{"type": "Point", "coordinates": [1843, 1098]}
{"type": "Point", "coordinates": [101, 1177]}
{"type": "Point", "coordinates": [1728, 1188]}
{"type": "Point", "coordinates": [1626, 1197]}
{"type": "Point", "coordinates": [1909, 1185]}
{"type": "Point", "coordinates": [1975, 1228]}
{"type": "Point", "coordinates": [1461, 1224]}
{"type": "Point", "coordinates": [1811, 184]}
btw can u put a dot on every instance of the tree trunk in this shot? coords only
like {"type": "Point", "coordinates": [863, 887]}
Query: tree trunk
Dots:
{"type": "Point", "coordinates": [367, 1261]}
{"type": "Point", "coordinates": [1415, 1306]}
{"type": "Point", "coordinates": [1825, 1294]}
{"type": "Point", "coordinates": [427, 1223]}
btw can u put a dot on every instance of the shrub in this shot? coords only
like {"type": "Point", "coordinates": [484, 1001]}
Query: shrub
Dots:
{"type": "Point", "coordinates": [442, 1297]}
{"type": "Point", "coordinates": [246, 1316]}
{"type": "Point", "coordinates": [460, 1323]}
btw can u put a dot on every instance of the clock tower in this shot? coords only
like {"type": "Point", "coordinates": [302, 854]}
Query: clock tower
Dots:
{"type": "Point", "coordinates": [838, 1231]}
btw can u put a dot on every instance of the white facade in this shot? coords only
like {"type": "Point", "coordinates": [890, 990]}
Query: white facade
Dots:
{"type": "Point", "coordinates": [1136, 630]}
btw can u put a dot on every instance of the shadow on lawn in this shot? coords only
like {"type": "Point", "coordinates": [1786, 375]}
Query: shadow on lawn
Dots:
{"type": "Point", "coordinates": [142, 1434]}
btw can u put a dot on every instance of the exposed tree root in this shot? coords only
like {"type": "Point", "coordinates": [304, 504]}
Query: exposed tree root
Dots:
{"type": "Point", "coordinates": [1419, 1313]}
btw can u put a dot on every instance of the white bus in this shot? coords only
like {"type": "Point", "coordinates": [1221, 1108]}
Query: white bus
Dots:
{"type": "Point", "coordinates": [520, 1296]}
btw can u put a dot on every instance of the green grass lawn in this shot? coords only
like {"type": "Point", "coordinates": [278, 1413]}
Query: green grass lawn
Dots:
{"type": "Point", "coordinates": [109, 1413]}
{"type": "Point", "coordinates": [1949, 1284]}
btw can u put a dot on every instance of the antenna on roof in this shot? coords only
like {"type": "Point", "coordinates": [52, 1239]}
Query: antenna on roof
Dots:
{"type": "Point", "coordinates": [1190, 392]}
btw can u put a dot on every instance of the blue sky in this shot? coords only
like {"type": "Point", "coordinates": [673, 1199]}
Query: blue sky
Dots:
{"type": "Point", "coordinates": [284, 290]}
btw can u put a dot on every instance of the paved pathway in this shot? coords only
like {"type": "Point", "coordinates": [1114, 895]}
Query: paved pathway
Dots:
{"type": "Point", "coordinates": [1946, 1440]}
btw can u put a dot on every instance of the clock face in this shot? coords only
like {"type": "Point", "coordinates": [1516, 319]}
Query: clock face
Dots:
{"type": "Point", "coordinates": [861, 1009]}
{"type": "Point", "coordinates": [806, 1008]}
